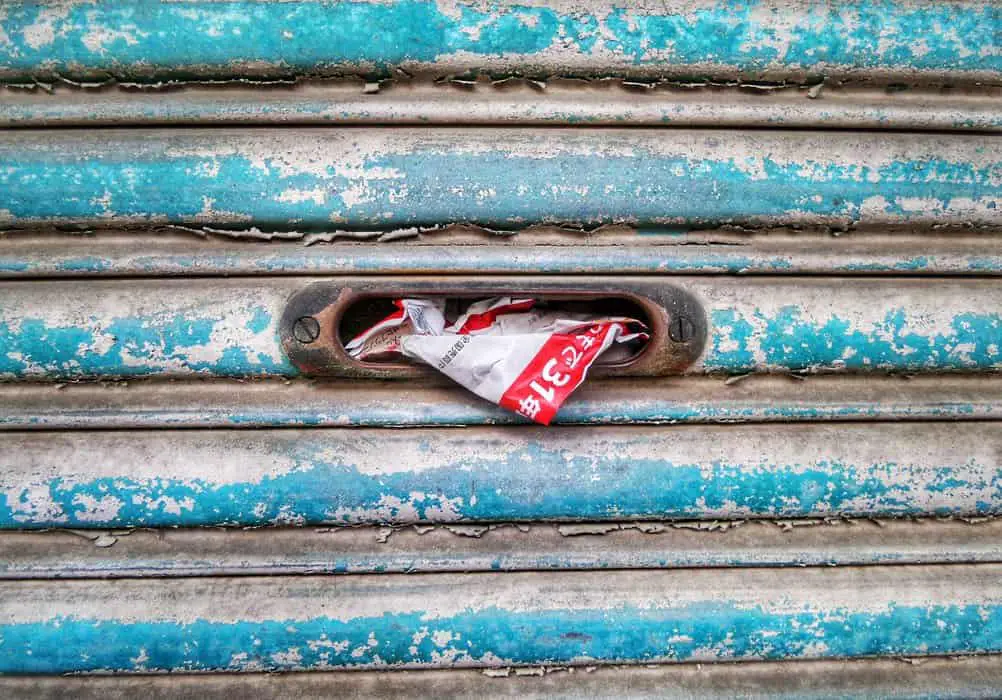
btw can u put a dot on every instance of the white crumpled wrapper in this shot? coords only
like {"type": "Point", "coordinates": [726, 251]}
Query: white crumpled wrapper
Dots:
{"type": "Point", "coordinates": [505, 350]}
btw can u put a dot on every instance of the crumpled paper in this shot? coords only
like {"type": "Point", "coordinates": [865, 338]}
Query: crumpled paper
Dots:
{"type": "Point", "coordinates": [516, 353]}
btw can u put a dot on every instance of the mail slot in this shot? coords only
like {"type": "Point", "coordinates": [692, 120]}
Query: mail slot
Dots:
{"type": "Point", "coordinates": [320, 319]}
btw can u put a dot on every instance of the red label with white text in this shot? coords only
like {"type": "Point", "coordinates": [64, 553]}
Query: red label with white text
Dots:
{"type": "Point", "coordinates": [557, 370]}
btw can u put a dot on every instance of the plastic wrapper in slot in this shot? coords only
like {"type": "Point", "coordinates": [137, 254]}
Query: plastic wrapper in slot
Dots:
{"type": "Point", "coordinates": [516, 353]}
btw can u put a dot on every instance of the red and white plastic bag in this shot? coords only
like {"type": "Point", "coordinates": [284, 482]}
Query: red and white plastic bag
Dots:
{"type": "Point", "coordinates": [509, 351]}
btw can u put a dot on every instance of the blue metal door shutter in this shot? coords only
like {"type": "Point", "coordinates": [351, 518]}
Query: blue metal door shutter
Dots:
{"type": "Point", "coordinates": [794, 487]}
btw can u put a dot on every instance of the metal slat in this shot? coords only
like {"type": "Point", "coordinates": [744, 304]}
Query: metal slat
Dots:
{"type": "Point", "coordinates": [895, 42]}
{"type": "Point", "coordinates": [276, 403]}
{"type": "Point", "coordinates": [58, 330]}
{"type": "Point", "coordinates": [578, 546]}
{"type": "Point", "coordinates": [959, 678]}
{"type": "Point", "coordinates": [457, 620]}
{"type": "Point", "coordinates": [370, 477]}
{"type": "Point", "coordinates": [462, 250]}
{"type": "Point", "coordinates": [373, 178]}
{"type": "Point", "coordinates": [562, 102]}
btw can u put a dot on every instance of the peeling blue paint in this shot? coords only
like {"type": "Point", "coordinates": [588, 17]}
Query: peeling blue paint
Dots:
{"type": "Point", "coordinates": [87, 264]}
{"type": "Point", "coordinates": [15, 266]}
{"type": "Point", "coordinates": [437, 183]}
{"type": "Point", "coordinates": [137, 39]}
{"type": "Point", "coordinates": [702, 631]}
{"type": "Point", "coordinates": [182, 341]}
{"type": "Point", "coordinates": [745, 341]}
{"type": "Point", "coordinates": [515, 480]}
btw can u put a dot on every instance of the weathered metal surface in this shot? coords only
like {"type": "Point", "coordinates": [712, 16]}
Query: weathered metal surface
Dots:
{"type": "Point", "coordinates": [425, 549]}
{"type": "Point", "coordinates": [562, 102]}
{"type": "Point", "coordinates": [538, 251]}
{"type": "Point", "coordinates": [365, 476]}
{"type": "Point", "coordinates": [60, 330]}
{"type": "Point", "coordinates": [492, 620]}
{"type": "Point", "coordinates": [278, 403]}
{"type": "Point", "coordinates": [664, 584]}
{"type": "Point", "coordinates": [928, 678]}
{"type": "Point", "coordinates": [368, 178]}
{"type": "Point", "coordinates": [896, 41]}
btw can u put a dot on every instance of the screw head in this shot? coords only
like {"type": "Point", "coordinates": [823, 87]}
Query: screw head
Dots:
{"type": "Point", "coordinates": [306, 329]}
{"type": "Point", "coordinates": [681, 329]}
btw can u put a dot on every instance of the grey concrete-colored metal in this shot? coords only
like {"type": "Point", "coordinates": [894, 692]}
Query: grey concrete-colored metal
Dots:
{"type": "Point", "coordinates": [505, 547]}
{"type": "Point", "coordinates": [967, 678]}
{"type": "Point", "coordinates": [463, 249]}
{"type": "Point", "coordinates": [555, 102]}
{"type": "Point", "coordinates": [276, 403]}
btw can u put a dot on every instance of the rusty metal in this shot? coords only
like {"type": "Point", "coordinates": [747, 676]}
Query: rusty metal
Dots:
{"type": "Point", "coordinates": [305, 330]}
{"type": "Point", "coordinates": [328, 152]}
{"type": "Point", "coordinates": [327, 302]}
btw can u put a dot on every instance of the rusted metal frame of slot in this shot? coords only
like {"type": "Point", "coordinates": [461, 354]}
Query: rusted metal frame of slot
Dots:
{"type": "Point", "coordinates": [974, 677]}
{"type": "Point", "coordinates": [173, 252]}
{"type": "Point", "coordinates": [460, 548]}
{"type": "Point", "coordinates": [310, 322]}
{"type": "Point", "coordinates": [581, 103]}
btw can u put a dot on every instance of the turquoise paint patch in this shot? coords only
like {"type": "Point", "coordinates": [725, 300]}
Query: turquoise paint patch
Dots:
{"type": "Point", "coordinates": [986, 264]}
{"type": "Point", "coordinates": [135, 38]}
{"type": "Point", "coordinates": [14, 265]}
{"type": "Point", "coordinates": [180, 342]}
{"type": "Point", "coordinates": [627, 633]}
{"type": "Point", "coordinates": [787, 340]}
{"type": "Point", "coordinates": [260, 321]}
{"type": "Point", "coordinates": [87, 264]}
{"type": "Point", "coordinates": [533, 482]}
{"type": "Point", "coordinates": [432, 186]}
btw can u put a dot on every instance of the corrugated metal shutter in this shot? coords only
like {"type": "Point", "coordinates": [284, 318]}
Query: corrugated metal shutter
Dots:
{"type": "Point", "coordinates": [799, 476]}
